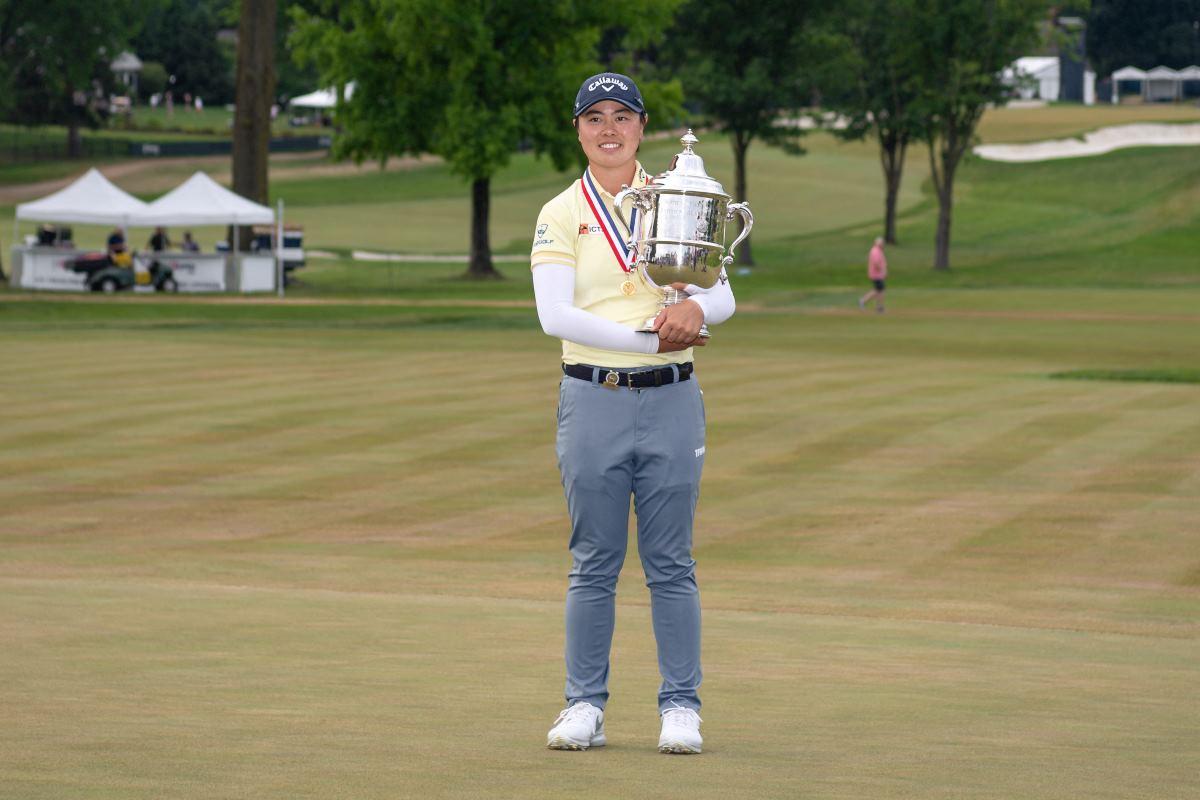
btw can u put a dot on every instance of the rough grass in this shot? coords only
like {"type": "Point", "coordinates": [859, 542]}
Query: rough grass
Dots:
{"type": "Point", "coordinates": [290, 551]}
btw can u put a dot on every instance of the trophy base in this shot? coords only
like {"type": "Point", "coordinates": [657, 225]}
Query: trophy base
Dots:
{"type": "Point", "coordinates": [649, 328]}
{"type": "Point", "coordinates": [671, 296]}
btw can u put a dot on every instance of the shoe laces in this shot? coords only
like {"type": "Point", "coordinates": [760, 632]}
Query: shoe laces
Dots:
{"type": "Point", "coordinates": [681, 715]}
{"type": "Point", "coordinates": [578, 711]}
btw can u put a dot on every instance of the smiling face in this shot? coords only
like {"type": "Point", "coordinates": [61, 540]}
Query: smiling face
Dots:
{"type": "Point", "coordinates": [610, 133]}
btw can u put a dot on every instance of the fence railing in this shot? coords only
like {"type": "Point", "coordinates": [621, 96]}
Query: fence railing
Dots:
{"type": "Point", "coordinates": [23, 145]}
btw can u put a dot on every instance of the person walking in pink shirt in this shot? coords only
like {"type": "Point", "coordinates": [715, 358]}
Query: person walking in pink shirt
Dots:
{"type": "Point", "coordinates": [877, 272]}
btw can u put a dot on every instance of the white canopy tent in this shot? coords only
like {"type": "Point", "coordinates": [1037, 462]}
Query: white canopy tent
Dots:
{"type": "Point", "coordinates": [1162, 83]}
{"type": "Point", "coordinates": [202, 201]}
{"type": "Point", "coordinates": [1126, 74]}
{"type": "Point", "coordinates": [92, 199]}
{"type": "Point", "coordinates": [322, 98]}
{"type": "Point", "coordinates": [1034, 77]}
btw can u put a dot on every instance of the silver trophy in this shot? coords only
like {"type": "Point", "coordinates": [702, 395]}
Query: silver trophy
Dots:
{"type": "Point", "coordinates": [682, 235]}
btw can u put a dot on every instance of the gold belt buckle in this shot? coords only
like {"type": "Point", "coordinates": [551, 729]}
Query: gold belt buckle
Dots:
{"type": "Point", "coordinates": [611, 379]}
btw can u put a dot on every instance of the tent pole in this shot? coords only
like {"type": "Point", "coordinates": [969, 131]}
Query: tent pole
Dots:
{"type": "Point", "coordinates": [279, 249]}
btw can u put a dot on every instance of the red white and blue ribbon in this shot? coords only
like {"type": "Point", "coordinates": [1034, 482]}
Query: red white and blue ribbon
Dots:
{"type": "Point", "coordinates": [626, 255]}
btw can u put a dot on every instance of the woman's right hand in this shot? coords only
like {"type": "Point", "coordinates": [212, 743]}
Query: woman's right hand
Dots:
{"type": "Point", "coordinates": [673, 347]}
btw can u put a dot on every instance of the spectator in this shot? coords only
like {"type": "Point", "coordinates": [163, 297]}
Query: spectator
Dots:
{"type": "Point", "coordinates": [877, 273]}
{"type": "Point", "coordinates": [159, 241]}
{"type": "Point", "coordinates": [116, 242]}
{"type": "Point", "coordinates": [189, 244]}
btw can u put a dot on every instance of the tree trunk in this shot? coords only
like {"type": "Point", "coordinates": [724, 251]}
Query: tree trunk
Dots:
{"type": "Point", "coordinates": [941, 258]}
{"type": "Point", "coordinates": [741, 143]}
{"type": "Point", "coordinates": [255, 92]}
{"type": "Point", "coordinates": [74, 140]}
{"type": "Point", "coordinates": [480, 263]}
{"type": "Point", "coordinates": [891, 152]}
{"type": "Point", "coordinates": [943, 163]}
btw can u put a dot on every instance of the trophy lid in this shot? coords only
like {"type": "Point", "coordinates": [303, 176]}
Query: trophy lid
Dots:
{"type": "Point", "coordinates": [686, 172]}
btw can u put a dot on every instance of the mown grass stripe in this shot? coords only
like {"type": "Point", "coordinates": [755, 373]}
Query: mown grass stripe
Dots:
{"type": "Point", "coordinates": [1162, 375]}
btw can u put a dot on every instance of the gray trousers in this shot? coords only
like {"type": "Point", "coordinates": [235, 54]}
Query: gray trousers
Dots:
{"type": "Point", "coordinates": [647, 444]}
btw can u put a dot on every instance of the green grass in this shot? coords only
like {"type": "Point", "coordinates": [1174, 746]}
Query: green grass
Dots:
{"type": "Point", "coordinates": [295, 550]}
{"type": "Point", "coordinates": [1139, 375]}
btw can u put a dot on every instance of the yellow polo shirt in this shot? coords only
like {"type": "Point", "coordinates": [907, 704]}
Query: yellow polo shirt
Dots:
{"type": "Point", "coordinates": [568, 233]}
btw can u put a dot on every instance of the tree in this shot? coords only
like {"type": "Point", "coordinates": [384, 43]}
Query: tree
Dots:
{"type": "Point", "coordinates": [56, 56]}
{"type": "Point", "coordinates": [1143, 33]}
{"type": "Point", "coordinates": [870, 87]}
{"type": "Point", "coordinates": [255, 87]}
{"type": "Point", "coordinates": [182, 36]}
{"type": "Point", "coordinates": [961, 48]}
{"type": "Point", "coordinates": [469, 81]}
{"type": "Point", "coordinates": [153, 79]}
{"type": "Point", "coordinates": [746, 65]}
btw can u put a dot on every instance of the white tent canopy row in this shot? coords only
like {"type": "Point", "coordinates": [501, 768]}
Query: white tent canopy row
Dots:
{"type": "Point", "coordinates": [1160, 83]}
{"type": "Point", "coordinates": [93, 199]}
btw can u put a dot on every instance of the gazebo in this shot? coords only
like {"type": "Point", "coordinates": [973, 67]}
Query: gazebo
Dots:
{"type": "Point", "coordinates": [126, 67]}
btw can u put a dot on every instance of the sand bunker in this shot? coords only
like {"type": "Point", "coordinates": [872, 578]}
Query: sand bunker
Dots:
{"type": "Point", "coordinates": [1104, 140]}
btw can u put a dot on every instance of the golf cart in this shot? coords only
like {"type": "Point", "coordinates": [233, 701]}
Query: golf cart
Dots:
{"type": "Point", "coordinates": [108, 274]}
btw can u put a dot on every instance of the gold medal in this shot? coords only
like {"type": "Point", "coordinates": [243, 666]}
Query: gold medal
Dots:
{"type": "Point", "coordinates": [627, 288]}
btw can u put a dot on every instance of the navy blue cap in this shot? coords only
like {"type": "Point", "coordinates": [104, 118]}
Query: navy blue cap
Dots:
{"type": "Point", "coordinates": [609, 86]}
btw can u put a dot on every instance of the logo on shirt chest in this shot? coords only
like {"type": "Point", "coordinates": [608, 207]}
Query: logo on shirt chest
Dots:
{"type": "Point", "coordinates": [584, 230]}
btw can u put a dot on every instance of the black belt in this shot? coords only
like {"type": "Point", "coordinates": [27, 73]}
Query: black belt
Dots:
{"type": "Point", "coordinates": [642, 379]}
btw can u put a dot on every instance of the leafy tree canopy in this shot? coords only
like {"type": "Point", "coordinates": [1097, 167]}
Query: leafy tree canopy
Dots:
{"type": "Point", "coordinates": [182, 36]}
{"type": "Point", "coordinates": [469, 81]}
{"type": "Point", "coordinates": [56, 56]}
{"type": "Point", "coordinates": [1143, 33]}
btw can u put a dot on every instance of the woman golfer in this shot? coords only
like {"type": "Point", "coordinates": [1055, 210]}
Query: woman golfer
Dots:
{"type": "Point", "coordinates": [630, 424]}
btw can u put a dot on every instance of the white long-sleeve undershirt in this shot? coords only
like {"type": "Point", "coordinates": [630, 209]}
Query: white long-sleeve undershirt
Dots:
{"type": "Point", "coordinates": [554, 291]}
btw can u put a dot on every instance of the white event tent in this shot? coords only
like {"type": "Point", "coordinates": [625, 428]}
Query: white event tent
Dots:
{"type": "Point", "coordinates": [1034, 77]}
{"type": "Point", "coordinates": [321, 98]}
{"type": "Point", "coordinates": [202, 201]}
{"type": "Point", "coordinates": [91, 199]}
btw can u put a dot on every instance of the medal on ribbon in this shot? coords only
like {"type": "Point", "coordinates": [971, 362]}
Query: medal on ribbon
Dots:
{"type": "Point", "coordinates": [625, 254]}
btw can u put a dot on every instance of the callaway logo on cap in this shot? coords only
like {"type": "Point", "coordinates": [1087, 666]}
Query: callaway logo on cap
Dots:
{"type": "Point", "coordinates": [609, 86]}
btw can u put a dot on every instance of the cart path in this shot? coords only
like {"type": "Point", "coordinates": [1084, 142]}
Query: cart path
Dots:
{"type": "Point", "coordinates": [154, 175]}
{"type": "Point", "coordinates": [743, 308]}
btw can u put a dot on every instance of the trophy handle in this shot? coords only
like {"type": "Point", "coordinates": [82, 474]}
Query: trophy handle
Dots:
{"type": "Point", "coordinates": [747, 218]}
{"type": "Point", "coordinates": [618, 201]}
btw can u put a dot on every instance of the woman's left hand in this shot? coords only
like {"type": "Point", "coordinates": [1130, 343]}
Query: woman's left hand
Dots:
{"type": "Point", "coordinates": [680, 323]}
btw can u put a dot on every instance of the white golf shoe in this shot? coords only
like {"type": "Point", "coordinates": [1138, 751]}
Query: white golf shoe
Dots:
{"type": "Point", "coordinates": [578, 727]}
{"type": "Point", "coordinates": [680, 731]}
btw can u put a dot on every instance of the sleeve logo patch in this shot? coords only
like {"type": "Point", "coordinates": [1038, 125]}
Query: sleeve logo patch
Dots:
{"type": "Point", "coordinates": [541, 229]}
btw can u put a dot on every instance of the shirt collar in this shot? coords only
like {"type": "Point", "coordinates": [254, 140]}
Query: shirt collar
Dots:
{"type": "Point", "coordinates": [640, 179]}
